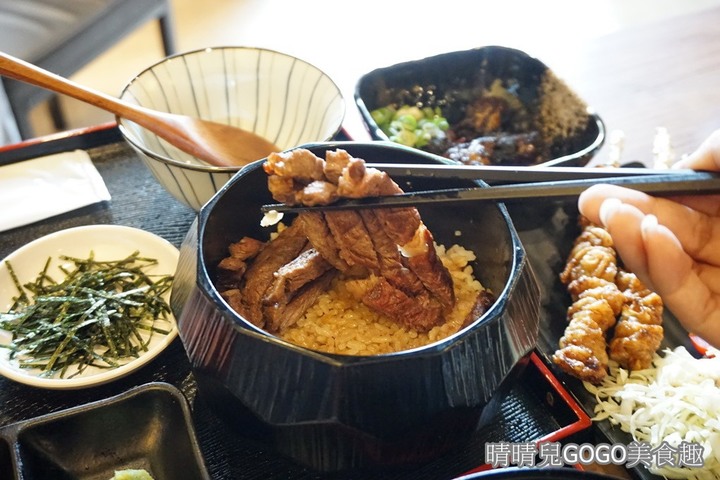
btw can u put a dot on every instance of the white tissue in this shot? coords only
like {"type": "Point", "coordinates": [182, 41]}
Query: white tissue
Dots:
{"type": "Point", "coordinates": [37, 189]}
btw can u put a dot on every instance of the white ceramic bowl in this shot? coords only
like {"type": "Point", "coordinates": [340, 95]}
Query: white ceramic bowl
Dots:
{"type": "Point", "coordinates": [106, 242]}
{"type": "Point", "coordinates": [278, 96]}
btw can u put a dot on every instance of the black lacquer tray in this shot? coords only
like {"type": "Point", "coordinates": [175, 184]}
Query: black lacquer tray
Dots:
{"type": "Point", "coordinates": [537, 408]}
{"type": "Point", "coordinates": [147, 427]}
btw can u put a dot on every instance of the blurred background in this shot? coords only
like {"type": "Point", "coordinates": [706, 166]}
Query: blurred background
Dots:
{"type": "Point", "coordinates": [347, 39]}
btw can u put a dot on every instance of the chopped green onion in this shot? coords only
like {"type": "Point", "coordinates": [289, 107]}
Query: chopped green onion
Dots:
{"type": "Point", "coordinates": [411, 125]}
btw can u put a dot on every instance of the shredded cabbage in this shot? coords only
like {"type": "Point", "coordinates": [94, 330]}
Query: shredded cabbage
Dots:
{"type": "Point", "coordinates": [676, 400]}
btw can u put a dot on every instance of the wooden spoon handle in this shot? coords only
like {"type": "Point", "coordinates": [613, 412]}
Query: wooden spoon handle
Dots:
{"type": "Point", "coordinates": [18, 69]}
{"type": "Point", "coordinates": [215, 143]}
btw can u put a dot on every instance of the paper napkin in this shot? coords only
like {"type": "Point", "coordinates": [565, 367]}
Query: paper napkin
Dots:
{"type": "Point", "coordinates": [40, 188]}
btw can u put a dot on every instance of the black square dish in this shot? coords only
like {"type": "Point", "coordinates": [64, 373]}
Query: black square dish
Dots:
{"type": "Point", "coordinates": [148, 427]}
{"type": "Point", "coordinates": [502, 106]}
{"type": "Point", "coordinates": [6, 466]}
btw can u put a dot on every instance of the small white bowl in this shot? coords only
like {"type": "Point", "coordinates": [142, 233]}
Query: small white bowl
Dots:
{"type": "Point", "coordinates": [280, 97]}
{"type": "Point", "coordinates": [107, 242]}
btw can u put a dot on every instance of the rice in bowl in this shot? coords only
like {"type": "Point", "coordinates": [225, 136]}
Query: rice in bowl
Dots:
{"type": "Point", "coordinates": [338, 322]}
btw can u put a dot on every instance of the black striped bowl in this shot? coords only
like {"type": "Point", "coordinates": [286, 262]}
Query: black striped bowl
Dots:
{"type": "Point", "coordinates": [280, 97]}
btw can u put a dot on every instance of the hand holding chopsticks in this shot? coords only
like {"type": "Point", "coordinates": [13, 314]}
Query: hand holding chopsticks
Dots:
{"type": "Point", "coordinates": [518, 183]}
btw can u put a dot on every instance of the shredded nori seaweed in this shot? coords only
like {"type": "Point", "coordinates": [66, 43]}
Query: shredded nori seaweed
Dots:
{"type": "Point", "coordinates": [93, 317]}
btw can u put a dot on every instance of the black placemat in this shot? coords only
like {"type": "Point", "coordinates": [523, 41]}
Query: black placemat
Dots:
{"type": "Point", "coordinates": [139, 201]}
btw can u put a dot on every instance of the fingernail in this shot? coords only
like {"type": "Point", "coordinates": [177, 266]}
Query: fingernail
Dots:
{"type": "Point", "coordinates": [607, 208]}
{"type": "Point", "coordinates": [649, 222]}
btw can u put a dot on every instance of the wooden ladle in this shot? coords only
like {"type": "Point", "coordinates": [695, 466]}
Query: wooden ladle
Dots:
{"type": "Point", "coordinates": [215, 143]}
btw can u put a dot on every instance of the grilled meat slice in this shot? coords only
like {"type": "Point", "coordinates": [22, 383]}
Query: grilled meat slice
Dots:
{"type": "Point", "coordinates": [391, 263]}
{"type": "Point", "coordinates": [419, 312]}
{"type": "Point", "coordinates": [335, 162]}
{"type": "Point", "coordinates": [403, 226]}
{"type": "Point", "coordinates": [230, 273]}
{"type": "Point", "coordinates": [352, 238]}
{"type": "Point", "coordinates": [352, 244]}
{"type": "Point", "coordinates": [317, 193]}
{"type": "Point", "coordinates": [424, 262]}
{"type": "Point", "coordinates": [483, 302]}
{"type": "Point", "coordinates": [260, 274]}
{"type": "Point", "coordinates": [290, 172]}
{"type": "Point", "coordinates": [281, 316]}
{"type": "Point", "coordinates": [300, 164]}
{"type": "Point", "coordinates": [322, 240]}
{"type": "Point", "coordinates": [245, 248]}
{"type": "Point", "coordinates": [292, 276]}
{"type": "Point", "coordinates": [358, 181]}
{"type": "Point", "coordinates": [232, 269]}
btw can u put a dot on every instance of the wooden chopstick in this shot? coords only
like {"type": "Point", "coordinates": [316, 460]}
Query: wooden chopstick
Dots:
{"type": "Point", "coordinates": [677, 183]}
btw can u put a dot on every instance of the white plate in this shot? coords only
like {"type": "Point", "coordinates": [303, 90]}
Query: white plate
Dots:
{"type": "Point", "coordinates": [108, 242]}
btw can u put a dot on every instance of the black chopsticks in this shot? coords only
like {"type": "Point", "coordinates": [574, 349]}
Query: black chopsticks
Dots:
{"type": "Point", "coordinates": [494, 174]}
{"type": "Point", "coordinates": [659, 182]}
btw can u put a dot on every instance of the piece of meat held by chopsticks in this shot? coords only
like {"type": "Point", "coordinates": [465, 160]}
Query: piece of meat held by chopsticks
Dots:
{"type": "Point", "coordinates": [606, 299]}
{"type": "Point", "coordinates": [392, 245]}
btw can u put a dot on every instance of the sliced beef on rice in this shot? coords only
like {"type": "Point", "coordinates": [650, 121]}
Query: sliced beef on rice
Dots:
{"type": "Point", "coordinates": [231, 269]}
{"type": "Point", "coordinates": [245, 248]}
{"type": "Point", "coordinates": [420, 312]}
{"type": "Point", "coordinates": [483, 302]}
{"type": "Point", "coordinates": [230, 272]}
{"type": "Point", "coordinates": [295, 285]}
{"type": "Point", "coordinates": [281, 316]}
{"type": "Point", "coordinates": [318, 233]}
{"type": "Point", "coordinates": [292, 276]}
{"type": "Point", "coordinates": [358, 181]}
{"type": "Point", "coordinates": [389, 258]}
{"type": "Point", "coordinates": [355, 246]}
{"type": "Point", "coordinates": [404, 226]}
{"type": "Point", "coordinates": [428, 267]}
{"type": "Point", "coordinates": [260, 274]}
{"type": "Point", "coordinates": [353, 240]}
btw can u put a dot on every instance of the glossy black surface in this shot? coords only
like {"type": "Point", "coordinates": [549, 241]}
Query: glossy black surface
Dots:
{"type": "Point", "coordinates": [528, 412]}
{"type": "Point", "coordinates": [148, 427]}
{"type": "Point", "coordinates": [451, 80]}
{"type": "Point", "coordinates": [537, 474]}
{"type": "Point", "coordinates": [335, 412]}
